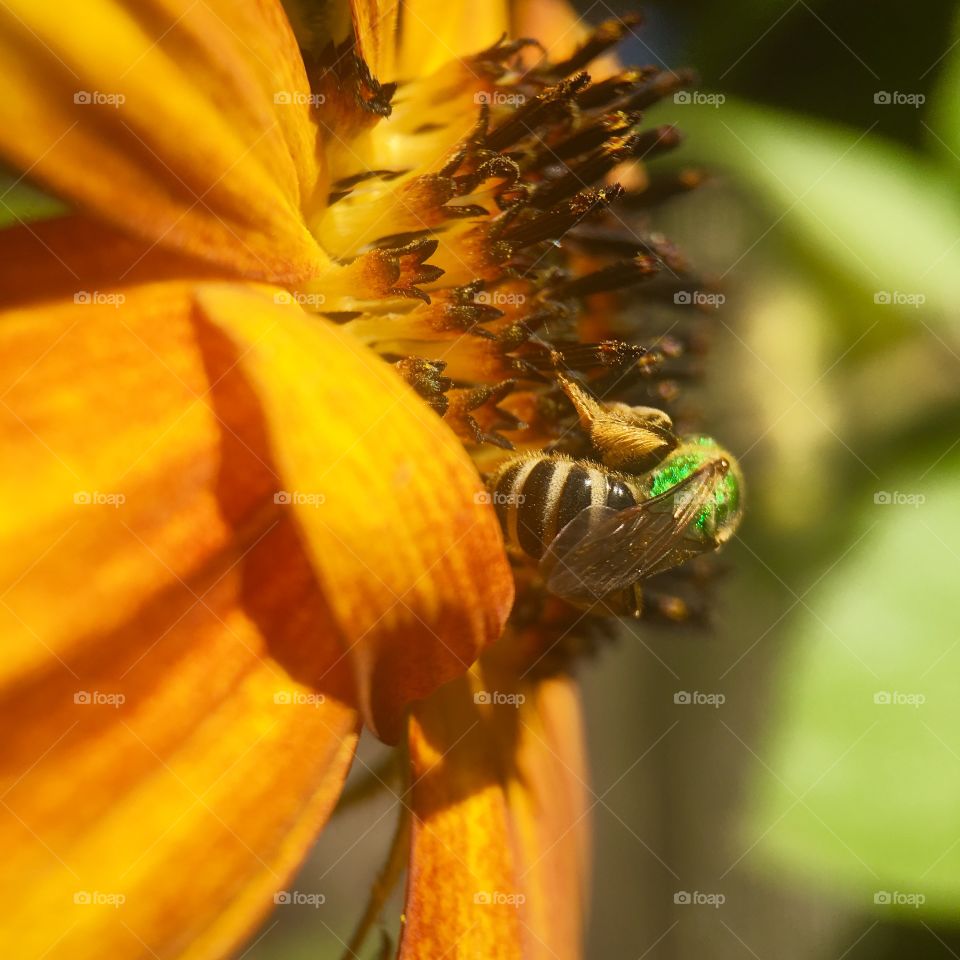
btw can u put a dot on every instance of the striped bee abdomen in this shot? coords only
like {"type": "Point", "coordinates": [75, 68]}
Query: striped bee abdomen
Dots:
{"type": "Point", "coordinates": [536, 497]}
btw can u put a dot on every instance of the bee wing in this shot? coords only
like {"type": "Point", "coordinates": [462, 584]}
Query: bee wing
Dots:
{"type": "Point", "coordinates": [602, 550]}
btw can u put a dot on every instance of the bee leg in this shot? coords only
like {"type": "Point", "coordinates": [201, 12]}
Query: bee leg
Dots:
{"type": "Point", "coordinates": [635, 595]}
{"type": "Point", "coordinates": [669, 606]}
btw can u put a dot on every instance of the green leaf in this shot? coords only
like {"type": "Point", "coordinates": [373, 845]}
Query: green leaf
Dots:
{"type": "Point", "coordinates": [863, 791]}
{"type": "Point", "coordinates": [884, 216]}
{"type": "Point", "coordinates": [21, 203]}
{"type": "Point", "coordinates": [943, 116]}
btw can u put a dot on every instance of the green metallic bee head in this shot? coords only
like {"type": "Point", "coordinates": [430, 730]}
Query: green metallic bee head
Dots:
{"type": "Point", "coordinates": [721, 510]}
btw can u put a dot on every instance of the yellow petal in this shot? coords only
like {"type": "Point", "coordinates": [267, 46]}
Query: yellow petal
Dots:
{"type": "Point", "coordinates": [164, 120]}
{"type": "Point", "coordinates": [499, 858]}
{"type": "Point", "coordinates": [432, 34]}
{"type": "Point", "coordinates": [375, 26]}
{"type": "Point", "coordinates": [177, 727]}
{"type": "Point", "coordinates": [390, 506]}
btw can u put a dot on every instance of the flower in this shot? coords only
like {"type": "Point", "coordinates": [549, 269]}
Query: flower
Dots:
{"type": "Point", "coordinates": [233, 533]}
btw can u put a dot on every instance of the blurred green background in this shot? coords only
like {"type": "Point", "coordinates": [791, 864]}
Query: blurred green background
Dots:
{"type": "Point", "coordinates": [821, 801]}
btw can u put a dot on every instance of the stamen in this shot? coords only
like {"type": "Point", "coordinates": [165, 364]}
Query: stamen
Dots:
{"type": "Point", "coordinates": [606, 91]}
{"type": "Point", "coordinates": [662, 188]}
{"type": "Point", "coordinates": [585, 356]}
{"type": "Point", "coordinates": [555, 223]}
{"type": "Point", "coordinates": [426, 377]}
{"type": "Point", "coordinates": [603, 160]}
{"type": "Point", "coordinates": [589, 138]}
{"type": "Point", "coordinates": [474, 414]}
{"type": "Point", "coordinates": [615, 277]}
{"type": "Point", "coordinates": [606, 35]}
{"type": "Point", "coordinates": [550, 106]}
{"type": "Point", "coordinates": [657, 87]}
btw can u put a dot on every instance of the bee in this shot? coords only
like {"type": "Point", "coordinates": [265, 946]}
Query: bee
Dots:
{"type": "Point", "coordinates": [648, 503]}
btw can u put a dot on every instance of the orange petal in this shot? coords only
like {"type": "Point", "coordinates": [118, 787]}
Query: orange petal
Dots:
{"type": "Point", "coordinates": [79, 257]}
{"type": "Point", "coordinates": [389, 505]}
{"type": "Point", "coordinates": [433, 34]}
{"type": "Point", "coordinates": [188, 124]}
{"type": "Point", "coordinates": [176, 726]}
{"type": "Point", "coordinates": [499, 850]}
{"type": "Point", "coordinates": [550, 809]}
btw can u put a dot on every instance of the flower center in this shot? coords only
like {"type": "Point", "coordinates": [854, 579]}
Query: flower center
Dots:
{"type": "Point", "coordinates": [480, 241]}
{"type": "Point", "coordinates": [490, 228]}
